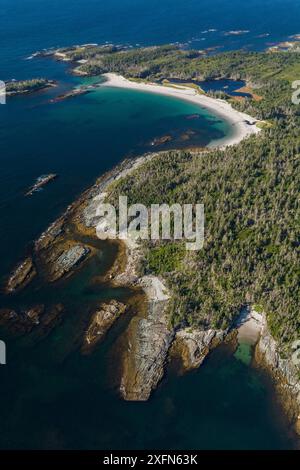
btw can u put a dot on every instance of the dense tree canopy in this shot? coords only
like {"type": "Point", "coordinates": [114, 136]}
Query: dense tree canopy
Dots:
{"type": "Point", "coordinates": [251, 198]}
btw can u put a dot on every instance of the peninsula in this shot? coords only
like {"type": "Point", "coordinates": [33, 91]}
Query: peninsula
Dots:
{"type": "Point", "coordinates": [193, 301]}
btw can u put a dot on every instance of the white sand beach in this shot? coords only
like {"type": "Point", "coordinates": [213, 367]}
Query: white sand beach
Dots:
{"type": "Point", "coordinates": [242, 124]}
{"type": "Point", "coordinates": [249, 326]}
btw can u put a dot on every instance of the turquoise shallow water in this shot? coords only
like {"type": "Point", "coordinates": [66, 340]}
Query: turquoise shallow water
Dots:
{"type": "Point", "coordinates": [50, 395]}
{"type": "Point", "coordinates": [79, 139]}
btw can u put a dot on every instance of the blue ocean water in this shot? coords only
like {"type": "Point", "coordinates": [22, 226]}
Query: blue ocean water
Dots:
{"type": "Point", "coordinates": [51, 396]}
{"type": "Point", "coordinates": [28, 25]}
{"type": "Point", "coordinates": [79, 140]}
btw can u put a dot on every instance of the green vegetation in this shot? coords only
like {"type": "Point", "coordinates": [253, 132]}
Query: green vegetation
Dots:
{"type": "Point", "coordinates": [171, 62]}
{"type": "Point", "coordinates": [27, 86]}
{"type": "Point", "coordinates": [270, 74]}
{"type": "Point", "coordinates": [165, 258]}
{"type": "Point", "coordinates": [87, 52]}
{"type": "Point", "coordinates": [252, 239]}
{"type": "Point", "coordinates": [192, 85]}
{"type": "Point", "coordinates": [264, 125]}
{"type": "Point", "coordinates": [251, 198]}
{"type": "Point", "coordinates": [258, 308]}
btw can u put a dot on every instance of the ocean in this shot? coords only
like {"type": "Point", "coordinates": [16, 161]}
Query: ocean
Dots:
{"type": "Point", "coordinates": [28, 25]}
{"type": "Point", "coordinates": [51, 396]}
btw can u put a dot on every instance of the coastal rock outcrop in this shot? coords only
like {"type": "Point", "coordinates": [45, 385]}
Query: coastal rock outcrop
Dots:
{"type": "Point", "coordinates": [67, 260]}
{"type": "Point", "coordinates": [149, 339]}
{"type": "Point", "coordinates": [40, 183]}
{"type": "Point", "coordinates": [97, 193]}
{"type": "Point", "coordinates": [71, 94]}
{"type": "Point", "coordinates": [21, 276]}
{"type": "Point", "coordinates": [100, 324]}
{"type": "Point", "coordinates": [285, 372]}
{"type": "Point", "coordinates": [192, 345]}
{"type": "Point", "coordinates": [37, 317]}
{"type": "Point", "coordinates": [49, 236]}
{"type": "Point", "coordinates": [144, 361]}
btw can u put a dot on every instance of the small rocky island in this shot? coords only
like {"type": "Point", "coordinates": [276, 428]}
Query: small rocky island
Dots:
{"type": "Point", "coordinates": [41, 181]}
{"type": "Point", "coordinates": [72, 94]}
{"type": "Point", "coordinates": [21, 87]}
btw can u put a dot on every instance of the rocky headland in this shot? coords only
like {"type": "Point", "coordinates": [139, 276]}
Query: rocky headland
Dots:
{"type": "Point", "coordinates": [149, 341]}
{"type": "Point", "coordinates": [192, 346]}
{"type": "Point", "coordinates": [284, 371]}
{"type": "Point", "coordinates": [149, 338]}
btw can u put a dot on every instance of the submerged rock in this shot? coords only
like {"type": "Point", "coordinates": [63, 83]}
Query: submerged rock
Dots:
{"type": "Point", "coordinates": [21, 321]}
{"type": "Point", "coordinates": [100, 324]}
{"type": "Point", "coordinates": [21, 276]}
{"type": "Point", "coordinates": [34, 313]}
{"type": "Point", "coordinates": [37, 318]}
{"type": "Point", "coordinates": [161, 140]}
{"type": "Point", "coordinates": [7, 315]}
{"type": "Point", "coordinates": [50, 319]}
{"type": "Point", "coordinates": [192, 117]}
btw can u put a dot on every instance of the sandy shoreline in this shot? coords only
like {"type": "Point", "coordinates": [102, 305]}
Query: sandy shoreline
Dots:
{"type": "Point", "coordinates": [249, 326]}
{"type": "Point", "coordinates": [242, 124]}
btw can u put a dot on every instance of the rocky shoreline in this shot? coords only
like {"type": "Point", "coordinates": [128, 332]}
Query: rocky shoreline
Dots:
{"type": "Point", "coordinates": [144, 360]}
{"type": "Point", "coordinates": [192, 346]}
{"type": "Point", "coordinates": [56, 254]}
{"type": "Point", "coordinates": [25, 87]}
{"type": "Point", "coordinates": [284, 372]}
{"type": "Point", "coordinates": [149, 340]}
{"type": "Point", "coordinates": [22, 275]}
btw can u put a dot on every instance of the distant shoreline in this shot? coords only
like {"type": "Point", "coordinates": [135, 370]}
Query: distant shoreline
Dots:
{"type": "Point", "coordinates": [243, 125]}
